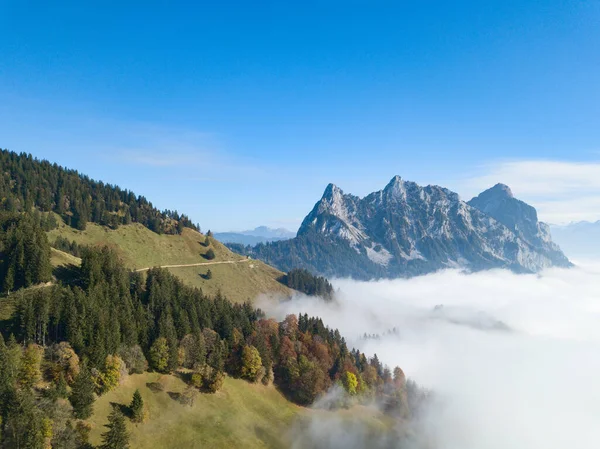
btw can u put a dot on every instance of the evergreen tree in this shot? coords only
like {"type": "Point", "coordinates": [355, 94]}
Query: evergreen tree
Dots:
{"type": "Point", "coordinates": [210, 254]}
{"type": "Point", "coordinates": [61, 386]}
{"type": "Point", "coordinates": [26, 426]}
{"type": "Point", "coordinates": [116, 437]}
{"type": "Point", "coordinates": [137, 407]}
{"type": "Point", "coordinates": [82, 394]}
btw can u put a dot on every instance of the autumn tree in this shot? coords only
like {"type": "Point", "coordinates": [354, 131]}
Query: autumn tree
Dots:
{"type": "Point", "coordinates": [159, 355]}
{"type": "Point", "coordinates": [252, 368]}
{"type": "Point", "coordinates": [110, 376]}
{"type": "Point", "coordinates": [399, 378]}
{"type": "Point", "coordinates": [350, 382]}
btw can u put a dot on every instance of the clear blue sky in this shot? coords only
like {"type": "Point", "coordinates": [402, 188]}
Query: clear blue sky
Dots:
{"type": "Point", "coordinates": [240, 113]}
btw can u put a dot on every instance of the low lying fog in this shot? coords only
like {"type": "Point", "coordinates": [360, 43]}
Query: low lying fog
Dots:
{"type": "Point", "coordinates": [515, 359]}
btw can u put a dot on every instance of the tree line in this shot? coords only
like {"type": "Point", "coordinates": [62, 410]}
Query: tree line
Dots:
{"type": "Point", "coordinates": [27, 183]}
{"type": "Point", "coordinates": [305, 282]}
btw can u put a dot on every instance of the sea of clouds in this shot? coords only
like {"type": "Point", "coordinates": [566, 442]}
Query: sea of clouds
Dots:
{"type": "Point", "coordinates": [514, 359]}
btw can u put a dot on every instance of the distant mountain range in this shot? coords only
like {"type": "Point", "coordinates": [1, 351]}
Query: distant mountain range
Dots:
{"type": "Point", "coordinates": [406, 229]}
{"type": "Point", "coordinates": [262, 234]}
{"type": "Point", "coordinates": [581, 239]}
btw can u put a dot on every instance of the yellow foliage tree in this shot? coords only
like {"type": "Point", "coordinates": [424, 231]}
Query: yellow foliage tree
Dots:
{"type": "Point", "coordinates": [159, 355]}
{"type": "Point", "coordinates": [29, 373]}
{"type": "Point", "coordinates": [251, 364]}
{"type": "Point", "coordinates": [350, 382]}
{"type": "Point", "coordinates": [110, 376]}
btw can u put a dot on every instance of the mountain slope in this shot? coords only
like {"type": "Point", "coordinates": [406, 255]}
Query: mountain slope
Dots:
{"type": "Point", "coordinates": [91, 212]}
{"type": "Point", "coordinates": [262, 234]}
{"type": "Point", "coordinates": [521, 218]}
{"type": "Point", "coordinates": [241, 415]}
{"type": "Point", "coordinates": [139, 248]}
{"type": "Point", "coordinates": [406, 229]}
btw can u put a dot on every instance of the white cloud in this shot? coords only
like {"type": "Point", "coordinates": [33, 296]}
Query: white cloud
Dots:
{"type": "Point", "coordinates": [561, 191]}
{"type": "Point", "coordinates": [535, 387]}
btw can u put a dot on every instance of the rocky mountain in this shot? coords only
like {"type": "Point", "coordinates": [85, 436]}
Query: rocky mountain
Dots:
{"type": "Point", "coordinates": [261, 234]}
{"type": "Point", "coordinates": [406, 229]}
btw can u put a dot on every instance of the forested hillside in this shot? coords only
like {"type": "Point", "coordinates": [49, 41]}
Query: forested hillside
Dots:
{"type": "Point", "coordinates": [26, 182]}
{"type": "Point", "coordinates": [77, 341]}
{"type": "Point", "coordinates": [24, 252]}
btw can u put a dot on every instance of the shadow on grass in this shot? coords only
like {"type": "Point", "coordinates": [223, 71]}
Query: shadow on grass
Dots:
{"type": "Point", "coordinates": [67, 274]}
{"type": "Point", "coordinates": [155, 387]}
{"type": "Point", "coordinates": [185, 398]}
{"type": "Point", "coordinates": [267, 438]}
{"type": "Point", "coordinates": [123, 409]}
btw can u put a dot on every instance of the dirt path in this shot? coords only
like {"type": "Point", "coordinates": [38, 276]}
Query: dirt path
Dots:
{"type": "Point", "coordinates": [200, 264]}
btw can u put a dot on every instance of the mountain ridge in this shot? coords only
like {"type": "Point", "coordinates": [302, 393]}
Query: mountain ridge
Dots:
{"type": "Point", "coordinates": [406, 229]}
{"type": "Point", "coordinates": [260, 234]}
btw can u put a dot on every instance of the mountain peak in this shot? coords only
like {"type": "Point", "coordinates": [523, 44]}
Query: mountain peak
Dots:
{"type": "Point", "coordinates": [500, 190]}
{"type": "Point", "coordinates": [396, 187]}
{"type": "Point", "coordinates": [395, 180]}
{"type": "Point", "coordinates": [331, 190]}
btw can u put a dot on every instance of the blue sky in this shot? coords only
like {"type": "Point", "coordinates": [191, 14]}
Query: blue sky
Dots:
{"type": "Point", "coordinates": [240, 113]}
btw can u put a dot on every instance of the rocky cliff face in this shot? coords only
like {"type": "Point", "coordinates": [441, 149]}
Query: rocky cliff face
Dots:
{"type": "Point", "coordinates": [406, 229]}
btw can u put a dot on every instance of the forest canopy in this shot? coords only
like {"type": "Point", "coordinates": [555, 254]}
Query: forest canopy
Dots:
{"type": "Point", "coordinates": [26, 182]}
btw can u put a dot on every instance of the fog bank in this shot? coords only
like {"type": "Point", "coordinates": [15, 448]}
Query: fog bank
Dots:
{"type": "Point", "coordinates": [515, 359]}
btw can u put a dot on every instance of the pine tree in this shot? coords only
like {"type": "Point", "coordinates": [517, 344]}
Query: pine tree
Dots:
{"type": "Point", "coordinates": [61, 386]}
{"type": "Point", "coordinates": [82, 395]}
{"type": "Point", "coordinates": [137, 407]}
{"type": "Point", "coordinates": [116, 437]}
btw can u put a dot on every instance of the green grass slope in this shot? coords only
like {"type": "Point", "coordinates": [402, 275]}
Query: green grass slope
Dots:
{"type": "Point", "coordinates": [240, 415]}
{"type": "Point", "coordinates": [141, 248]}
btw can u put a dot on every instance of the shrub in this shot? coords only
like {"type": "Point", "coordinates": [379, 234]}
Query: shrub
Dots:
{"type": "Point", "coordinates": [210, 254]}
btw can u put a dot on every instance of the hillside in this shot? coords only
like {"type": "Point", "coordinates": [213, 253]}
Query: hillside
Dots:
{"type": "Point", "coordinates": [240, 415]}
{"type": "Point", "coordinates": [91, 212]}
{"type": "Point", "coordinates": [27, 182]}
{"type": "Point", "coordinates": [141, 248]}
{"type": "Point", "coordinates": [406, 229]}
